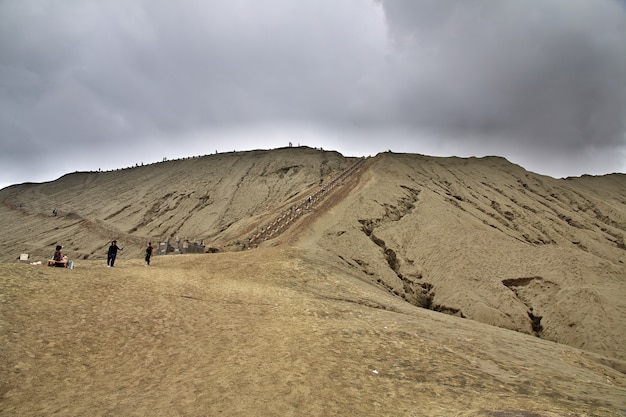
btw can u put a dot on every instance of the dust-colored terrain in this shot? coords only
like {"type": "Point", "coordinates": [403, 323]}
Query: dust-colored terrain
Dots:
{"type": "Point", "coordinates": [413, 286]}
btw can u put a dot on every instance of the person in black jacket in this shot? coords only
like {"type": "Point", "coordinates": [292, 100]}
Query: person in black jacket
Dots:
{"type": "Point", "coordinates": [112, 254]}
{"type": "Point", "coordinates": [148, 253]}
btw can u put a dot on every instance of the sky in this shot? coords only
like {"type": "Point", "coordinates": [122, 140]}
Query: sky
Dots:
{"type": "Point", "coordinates": [90, 84]}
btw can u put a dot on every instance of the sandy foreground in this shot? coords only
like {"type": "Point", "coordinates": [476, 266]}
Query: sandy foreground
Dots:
{"type": "Point", "coordinates": [269, 332]}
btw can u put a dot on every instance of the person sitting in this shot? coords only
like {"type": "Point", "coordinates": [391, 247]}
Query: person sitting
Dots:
{"type": "Point", "coordinates": [58, 259]}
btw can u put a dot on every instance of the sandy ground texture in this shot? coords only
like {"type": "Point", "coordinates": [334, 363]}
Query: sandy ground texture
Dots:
{"type": "Point", "coordinates": [269, 332]}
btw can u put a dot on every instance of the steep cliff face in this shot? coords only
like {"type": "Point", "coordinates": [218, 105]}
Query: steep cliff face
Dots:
{"type": "Point", "coordinates": [478, 238]}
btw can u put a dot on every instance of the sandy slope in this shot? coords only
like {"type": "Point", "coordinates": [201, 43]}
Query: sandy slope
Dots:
{"type": "Point", "coordinates": [215, 198]}
{"type": "Point", "coordinates": [269, 332]}
{"type": "Point", "coordinates": [479, 238]}
{"type": "Point", "coordinates": [294, 327]}
{"type": "Point", "coordinates": [470, 239]}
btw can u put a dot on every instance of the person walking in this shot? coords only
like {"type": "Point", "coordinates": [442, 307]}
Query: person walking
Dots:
{"type": "Point", "coordinates": [148, 253]}
{"type": "Point", "coordinates": [112, 254]}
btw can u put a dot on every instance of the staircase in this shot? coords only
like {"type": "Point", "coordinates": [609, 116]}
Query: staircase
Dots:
{"type": "Point", "coordinates": [289, 216]}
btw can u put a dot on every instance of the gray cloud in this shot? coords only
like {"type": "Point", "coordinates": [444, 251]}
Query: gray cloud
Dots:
{"type": "Point", "coordinates": [118, 82]}
{"type": "Point", "coordinates": [551, 71]}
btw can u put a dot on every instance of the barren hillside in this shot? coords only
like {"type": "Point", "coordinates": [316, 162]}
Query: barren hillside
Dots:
{"type": "Point", "coordinates": [538, 259]}
{"type": "Point", "coordinates": [218, 198]}
{"type": "Point", "coordinates": [486, 240]}
{"type": "Point", "coordinates": [479, 238]}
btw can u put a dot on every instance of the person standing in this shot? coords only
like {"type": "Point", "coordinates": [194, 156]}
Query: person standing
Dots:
{"type": "Point", "coordinates": [112, 254]}
{"type": "Point", "coordinates": [148, 253]}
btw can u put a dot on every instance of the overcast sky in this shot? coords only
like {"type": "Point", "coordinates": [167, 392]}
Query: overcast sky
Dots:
{"type": "Point", "coordinates": [92, 84]}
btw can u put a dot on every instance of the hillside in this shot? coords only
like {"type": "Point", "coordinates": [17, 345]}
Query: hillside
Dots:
{"type": "Point", "coordinates": [479, 239]}
{"type": "Point", "coordinates": [486, 240]}
{"type": "Point", "coordinates": [217, 198]}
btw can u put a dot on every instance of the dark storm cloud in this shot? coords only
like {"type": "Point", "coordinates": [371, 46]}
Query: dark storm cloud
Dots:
{"type": "Point", "coordinates": [551, 73]}
{"type": "Point", "coordinates": [109, 77]}
{"type": "Point", "coordinates": [132, 66]}
{"type": "Point", "coordinates": [118, 82]}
